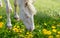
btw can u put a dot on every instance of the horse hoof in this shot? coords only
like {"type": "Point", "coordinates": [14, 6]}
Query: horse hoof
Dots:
{"type": "Point", "coordinates": [9, 27]}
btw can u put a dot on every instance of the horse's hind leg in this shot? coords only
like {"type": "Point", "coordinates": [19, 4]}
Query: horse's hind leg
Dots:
{"type": "Point", "coordinates": [0, 3]}
{"type": "Point", "coordinates": [15, 10]}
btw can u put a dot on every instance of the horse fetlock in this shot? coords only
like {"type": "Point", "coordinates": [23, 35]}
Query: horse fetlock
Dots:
{"type": "Point", "coordinates": [10, 9]}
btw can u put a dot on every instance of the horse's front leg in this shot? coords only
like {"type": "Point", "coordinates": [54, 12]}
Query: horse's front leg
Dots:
{"type": "Point", "coordinates": [0, 3]}
{"type": "Point", "coordinates": [9, 25]}
{"type": "Point", "coordinates": [15, 10]}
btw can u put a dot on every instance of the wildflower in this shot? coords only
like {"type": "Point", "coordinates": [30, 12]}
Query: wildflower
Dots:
{"type": "Point", "coordinates": [50, 36]}
{"type": "Point", "coordinates": [54, 30]}
{"type": "Point", "coordinates": [30, 35]}
{"type": "Point", "coordinates": [57, 36]}
{"type": "Point", "coordinates": [0, 17]}
{"type": "Point", "coordinates": [15, 29]}
{"type": "Point", "coordinates": [58, 32]}
{"type": "Point", "coordinates": [46, 32]}
{"type": "Point", "coordinates": [1, 24]}
{"type": "Point", "coordinates": [53, 27]}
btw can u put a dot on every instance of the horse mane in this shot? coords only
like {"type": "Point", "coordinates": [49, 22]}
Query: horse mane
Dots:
{"type": "Point", "coordinates": [31, 7]}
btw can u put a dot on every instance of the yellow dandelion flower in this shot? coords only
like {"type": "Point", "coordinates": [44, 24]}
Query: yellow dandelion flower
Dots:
{"type": "Point", "coordinates": [57, 36]}
{"type": "Point", "coordinates": [44, 31]}
{"type": "Point", "coordinates": [50, 36]}
{"type": "Point", "coordinates": [30, 35]}
{"type": "Point", "coordinates": [53, 27]}
{"type": "Point", "coordinates": [15, 29]}
{"type": "Point", "coordinates": [48, 32]}
{"type": "Point", "coordinates": [54, 30]}
{"type": "Point", "coordinates": [1, 24]}
{"type": "Point", "coordinates": [58, 32]}
{"type": "Point", "coordinates": [0, 17]}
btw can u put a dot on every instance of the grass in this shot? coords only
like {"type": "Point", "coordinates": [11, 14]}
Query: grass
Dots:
{"type": "Point", "coordinates": [47, 21]}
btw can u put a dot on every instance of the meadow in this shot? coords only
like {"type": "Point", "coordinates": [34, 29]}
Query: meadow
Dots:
{"type": "Point", "coordinates": [47, 21]}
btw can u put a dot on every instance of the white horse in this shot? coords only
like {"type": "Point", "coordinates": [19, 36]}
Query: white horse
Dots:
{"type": "Point", "coordinates": [0, 3]}
{"type": "Point", "coordinates": [27, 12]}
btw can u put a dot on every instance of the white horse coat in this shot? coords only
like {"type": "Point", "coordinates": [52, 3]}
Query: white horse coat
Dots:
{"type": "Point", "coordinates": [27, 12]}
{"type": "Point", "coordinates": [0, 3]}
